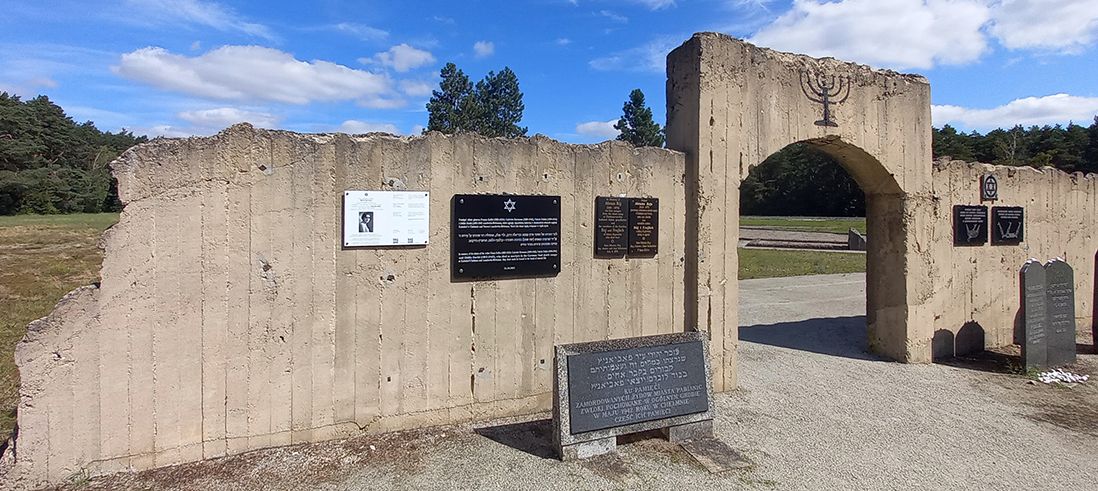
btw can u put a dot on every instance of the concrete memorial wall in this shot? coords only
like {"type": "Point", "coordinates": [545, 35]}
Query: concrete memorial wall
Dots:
{"type": "Point", "coordinates": [980, 285]}
{"type": "Point", "coordinates": [232, 317]}
{"type": "Point", "coordinates": [262, 287]}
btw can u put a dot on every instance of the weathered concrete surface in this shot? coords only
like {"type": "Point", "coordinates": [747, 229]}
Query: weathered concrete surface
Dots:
{"type": "Point", "coordinates": [980, 286]}
{"type": "Point", "coordinates": [815, 411]}
{"type": "Point", "coordinates": [229, 319]}
{"type": "Point", "coordinates": [731, 105]}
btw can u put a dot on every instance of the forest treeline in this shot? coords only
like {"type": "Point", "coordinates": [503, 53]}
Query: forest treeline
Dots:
{"type": "Point", "coordinates": [802, 181]}
{"type": "Point", "coordinates": [51, 164]}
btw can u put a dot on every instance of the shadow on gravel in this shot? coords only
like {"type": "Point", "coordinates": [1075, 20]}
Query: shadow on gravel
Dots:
{"type": "Point", "coordinates": [532, 437]}
{"type": "Point", "coordinates": [835, 336]}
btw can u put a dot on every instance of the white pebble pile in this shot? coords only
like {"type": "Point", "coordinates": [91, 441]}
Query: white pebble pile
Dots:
{"type": "Point", "coordinates": [1061, 376]}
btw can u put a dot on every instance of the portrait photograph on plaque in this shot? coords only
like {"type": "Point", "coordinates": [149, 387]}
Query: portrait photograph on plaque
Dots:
{"type": "Point", "coordinates": [501, 236]}
{"type": "Point", "coordinates": [386, 218]}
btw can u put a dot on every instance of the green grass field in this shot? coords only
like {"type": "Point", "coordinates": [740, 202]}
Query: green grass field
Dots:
{"type": "Point", "coordinates": [41, 259]}
{"type": "Point", "coordinates": [806, 224]}
{"type": "Point", "coordinates": [44, 257]}
{"type": "Point", "coordinates": [770, 263]}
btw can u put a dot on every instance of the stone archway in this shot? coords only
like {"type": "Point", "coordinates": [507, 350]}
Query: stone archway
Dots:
{"type": "Point", "coordinates": [730, 105]}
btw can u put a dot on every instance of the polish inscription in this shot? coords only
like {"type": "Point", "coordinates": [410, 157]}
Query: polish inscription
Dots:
{"type": "Point", "coordinates": [622, 387]}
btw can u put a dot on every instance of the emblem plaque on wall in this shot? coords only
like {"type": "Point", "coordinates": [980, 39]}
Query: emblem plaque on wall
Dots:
{"type": "Point", "coordinates": [989, 188]}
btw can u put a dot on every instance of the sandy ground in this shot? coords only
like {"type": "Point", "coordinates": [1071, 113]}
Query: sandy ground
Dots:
{"type": "Point", "coordinates": [814, 411]}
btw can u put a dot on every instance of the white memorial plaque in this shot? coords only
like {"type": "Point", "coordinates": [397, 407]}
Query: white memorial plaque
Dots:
{"type": "Point", "coordinates": [386, 218]}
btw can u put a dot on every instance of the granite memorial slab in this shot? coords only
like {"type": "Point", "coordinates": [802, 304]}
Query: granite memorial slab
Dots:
{"type": "Point", "coordinates": [969, 225]}
{"type": "Point", "coordinates": [1007, 225]}
{"type": "Point", "coordinates": [611, 226]}
{"type": "Point", "coordinates": [1034, 316]}
{"type": "Point", "coordinates": [608, 388]}
{"type": "Point", "coordinates": [644, 226]}
{"type": "Point", "coordinates": [504, 236]}
{"type": "Point", "coordinates": [1061, 313]}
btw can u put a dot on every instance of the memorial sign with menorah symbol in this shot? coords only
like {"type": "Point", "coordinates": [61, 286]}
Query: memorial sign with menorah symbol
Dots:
{"type": "Point", "coordinates": [825, 90]}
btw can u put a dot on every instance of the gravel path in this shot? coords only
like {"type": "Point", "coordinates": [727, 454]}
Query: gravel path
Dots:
{"type": "Point", "coordinates": [814, 411]}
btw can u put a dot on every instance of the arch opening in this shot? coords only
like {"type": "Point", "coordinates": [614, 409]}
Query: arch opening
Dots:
{"type": "Point", "coordinates": [827, 192]}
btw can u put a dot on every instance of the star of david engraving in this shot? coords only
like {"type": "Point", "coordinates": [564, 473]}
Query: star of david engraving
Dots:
{"type": "Point", "coordinates": [509, 205]}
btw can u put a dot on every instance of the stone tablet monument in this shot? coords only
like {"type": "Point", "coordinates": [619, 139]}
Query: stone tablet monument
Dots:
{"type": "Point", "coordinates": [608, 388]}
{"type": "Point", "coordinates": [1034, 316]}
{"type": "Point", "coordinates": [1061, 313]}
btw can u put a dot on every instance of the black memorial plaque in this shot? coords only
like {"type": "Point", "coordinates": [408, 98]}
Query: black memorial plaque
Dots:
{"type": "Point", "coordinates": [622, 387]}
{"type": "Point", "coordinates": [1061, 313]}
{"type": "Point", "coordinates": [644, 226]}
{"type": "Point", "coordinates": [969, 225]}
{"type": "Point", "coordinates": [504, 236]}
{"type": "Point", "coordinates": [611, 226]}
{"type": "Point", "coordinates": [1034, 316]}
{"type": "Point", "coordinates": [1007, 225]}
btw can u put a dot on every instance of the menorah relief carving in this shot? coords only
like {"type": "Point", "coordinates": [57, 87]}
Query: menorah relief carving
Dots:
{"type": "Point", "coordinates": [825, 90]}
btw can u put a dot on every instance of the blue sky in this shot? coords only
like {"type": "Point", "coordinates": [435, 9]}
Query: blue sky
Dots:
{"type": "Point", "coordinates": [181, 67]}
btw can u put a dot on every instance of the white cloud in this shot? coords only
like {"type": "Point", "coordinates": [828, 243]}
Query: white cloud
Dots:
{"type": "Point", "coordinates": [563, 41]}
{"type": "Point", "coordinates": [1051, 109]}
{"type": "Point", "coordinates": [656, 4]}
{"type": "Point", "coordinates": [885, 33]}
{"type": "Point", "coordinates": [1061, 25]}
{"type": "Point", "coordinates": [401, 58]}
{"type": "Point", "coordinates": [223, 117]}
{"type": "Point", "coordinates": [165, 130]}
{"type": "Point", "coordinates": [415, 88]}
{"type": "Point", "coordinates": [379, 102]}
{"type": "Point", "coordinates": [355, 127]}
{"type": "Point", "coordinates": [483, 49]}
{"type": "Point", "coordinates": [598, 129]}
{"type": "Point", "coordinates": [361, 31]}
{"type": "Point", "coordinates": [251, 73]}
{"type": "Point", "coordinates": [198, 12]}
{"type": "Point", "coordinates": [620, 19]}
{"type": "Point", "coordinates": [650, 57]}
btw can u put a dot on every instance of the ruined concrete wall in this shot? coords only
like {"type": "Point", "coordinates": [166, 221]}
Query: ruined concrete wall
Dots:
{"type": "Point", "coordinates": [730, 106]}
{"type": "Point", "coordinates": [980, 286]}
{"type": "Point", "coordinates": [229, 318]}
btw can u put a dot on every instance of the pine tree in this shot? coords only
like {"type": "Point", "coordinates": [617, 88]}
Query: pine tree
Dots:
{"type": "Point", "coordinates": [493, 107]}
{"type": "Point", "coordinates": [499, 103]}
{"type": "Point", "coordinates": [636, 125]}
{"type": "Point", "coordinates": [452, 108]}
